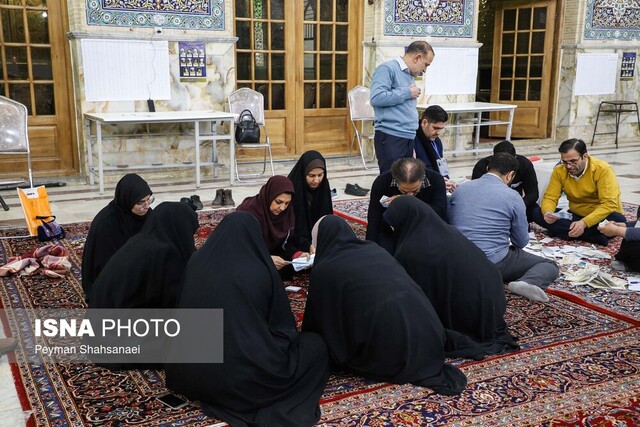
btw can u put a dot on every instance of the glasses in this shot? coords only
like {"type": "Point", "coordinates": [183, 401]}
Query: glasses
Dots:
{"type": "Point", "coordinates": [143, 203]}
{"type": "Point", "coordinates": [425, 183]}
{"type": "Point", "coordinates": [571, 162]}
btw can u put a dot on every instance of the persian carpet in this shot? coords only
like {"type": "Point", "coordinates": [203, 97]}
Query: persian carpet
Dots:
{"type": "Point", "coordinates": [578, 366]}
{"type": "Point", "coordinates": [621, 302]}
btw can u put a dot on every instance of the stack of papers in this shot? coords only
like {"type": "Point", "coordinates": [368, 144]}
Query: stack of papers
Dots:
{"type": "Point", "coordinates": [591, 275]}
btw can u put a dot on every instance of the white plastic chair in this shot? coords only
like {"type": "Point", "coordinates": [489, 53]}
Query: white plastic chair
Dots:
{"type": "Point", "coordinates": [248, 99]}
{"type": "Point", "coordinates": [361, 113]}
{"type": "Point", "coordinates": [13, 136]}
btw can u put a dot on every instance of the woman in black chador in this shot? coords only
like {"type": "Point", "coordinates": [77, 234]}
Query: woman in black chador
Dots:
{"type": "Point", "coordinates": [376, 321]}
{"type": "Point", "coordinates": [122, 218]}
{"type": "Point", "coordinates": [464, 287]}
{"type": "Point", "coordinates": [313, 195]}
{"type": "Point", "coordinates": [271, 375]}
{"type": "Point", "coordinates": [147, 271]}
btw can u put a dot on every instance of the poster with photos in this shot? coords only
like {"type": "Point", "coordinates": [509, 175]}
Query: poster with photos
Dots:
{"type": "Point", "coordinates": [627, 70]}
{"type": "Point", "coordinates": [193, 61]}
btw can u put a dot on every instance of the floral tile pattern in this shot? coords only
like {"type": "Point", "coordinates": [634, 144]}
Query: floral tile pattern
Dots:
{"type": "Point", "coordinates": [437, 18]}
{"type": "Point", "coordinates": [612, 20]}
{"type": "Point", "coordinates": [179, 14]}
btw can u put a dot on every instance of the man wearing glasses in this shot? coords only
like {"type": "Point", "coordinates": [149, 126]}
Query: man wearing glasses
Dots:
{"type": "Point", "coordinates": [592, 190]}
{"type": "Point", "coordinates": [394, 96]}
{"type": "Point", "coordinates": [410, 177]}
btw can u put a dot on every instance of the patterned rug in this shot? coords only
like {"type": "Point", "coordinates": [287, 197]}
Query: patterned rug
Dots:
{"type": "Point", "coordinates": [623, 303]}
{"type": "Point", "coordinates": [578, 366]}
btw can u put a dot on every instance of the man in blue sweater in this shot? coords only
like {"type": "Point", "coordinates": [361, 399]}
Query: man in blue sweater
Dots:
{"type": "Point", "coordinates": [394, 100]}
{"type": "Point", "coordinates": [491, 215]}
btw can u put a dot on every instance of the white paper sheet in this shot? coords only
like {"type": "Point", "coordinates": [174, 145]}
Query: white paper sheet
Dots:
{"type": "Point", "coordinates": [126, 70]}
{"type": "Point", "coordinates": [453, 71]}
{"type": "Point", "coordinates": [596, 73]}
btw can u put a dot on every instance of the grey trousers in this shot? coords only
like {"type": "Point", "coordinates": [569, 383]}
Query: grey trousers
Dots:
{"type": "Point", "coordinates": [520, 265]}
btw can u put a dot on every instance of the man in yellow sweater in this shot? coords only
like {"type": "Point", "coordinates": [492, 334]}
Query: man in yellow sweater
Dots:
{"type": "Point", "coordinates": [592, 190]}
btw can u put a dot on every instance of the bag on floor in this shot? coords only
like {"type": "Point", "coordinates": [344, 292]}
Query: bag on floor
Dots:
{"type": "Point", "coordinates": [35, 203]}
{"type": "Point", "coordinates": [247, 129]}
{"type": "Point", "coordinates": [49, 229]}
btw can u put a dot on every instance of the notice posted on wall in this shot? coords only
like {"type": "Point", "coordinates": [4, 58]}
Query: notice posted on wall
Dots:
{"type": "Point", "coordinates": [193, 61]}
{"type": "Point", "coordinates": [596, 73]}
{"type": "Point", "coordinates": [628, 68]}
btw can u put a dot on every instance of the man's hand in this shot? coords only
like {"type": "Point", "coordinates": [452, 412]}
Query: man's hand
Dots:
{"type": "Point", "coordinates": [576, 229]}
{"type": "Point", "coordinates": [450, 184]}
{"type": "Point", "coordinates": [549, 218]}
{"type": "Point", "coordinates": [278, 261]}
{"type": "Point", "coordinates": [415, 90]}
{"type": "Point", "coordinates": [613, 229]}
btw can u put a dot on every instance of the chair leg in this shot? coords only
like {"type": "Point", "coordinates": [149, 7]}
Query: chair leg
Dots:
{"type": "Point", "coordinates": [364, 162]}
{"type": "Point", "coordinates": [4, 205]}
{"type": "Point", "coordinates": [596, 125]}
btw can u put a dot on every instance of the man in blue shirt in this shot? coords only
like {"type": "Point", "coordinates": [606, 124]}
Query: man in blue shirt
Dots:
{"type": "Point", "coordinates": [394, 100]}
{"type": "Point", "coordinates": [493, 217]}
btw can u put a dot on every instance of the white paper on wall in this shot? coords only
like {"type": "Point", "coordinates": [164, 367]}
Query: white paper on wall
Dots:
{"type": "Point", "coordinates": [126, 70]}
{"type": "Point", "coordinates": [453, 72]}
{"type": "Point", "coordinates": [596, 73]}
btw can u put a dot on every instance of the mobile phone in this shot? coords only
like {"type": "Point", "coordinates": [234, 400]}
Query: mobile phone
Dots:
{"type": "Point", "coordinates": [172, 401]}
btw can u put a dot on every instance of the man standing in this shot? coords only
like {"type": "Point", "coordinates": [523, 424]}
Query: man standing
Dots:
{"type": "Point", "coordinates": [428, 144]}
{"type": "Point", "coordinates": [525, 182]}
{"type": "Point", "coordinates": [394, 100]}
{"type": "Point", "coordinates": [491, 215]}
{"type": "Point", "coordinates": [592, 190]}
{"type": "Point", "coordinates": [407, 176]}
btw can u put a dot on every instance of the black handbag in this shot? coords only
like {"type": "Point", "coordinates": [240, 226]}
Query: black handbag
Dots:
{"type": "Point", "coordinates": [247, 129]}
{"type": "Point", "coordinates": [49, 230]}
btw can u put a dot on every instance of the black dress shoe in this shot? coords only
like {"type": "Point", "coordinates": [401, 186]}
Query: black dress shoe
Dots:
{"type": "Point", "coordinates": [195, 199]}
{"type": "Point", "coordinates": [366, 190]}
{"type": "Point", "coordinates": [188, 202]}
{"type": "Point", "coordinates": [354, 191]}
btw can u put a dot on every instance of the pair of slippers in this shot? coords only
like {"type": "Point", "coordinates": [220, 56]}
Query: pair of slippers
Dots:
{"type": "Point", "coordinates": [193, 201]}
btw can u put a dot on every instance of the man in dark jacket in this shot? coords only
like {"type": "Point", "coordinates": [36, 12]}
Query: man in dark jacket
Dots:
{"type": "Point", "coordinates": [408, 176]}
{"type": "Point", "coordinates": [525, 182]}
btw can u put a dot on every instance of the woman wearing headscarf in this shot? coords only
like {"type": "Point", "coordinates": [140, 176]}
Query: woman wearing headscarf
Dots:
{"type": "Point", "coordinates": [375, 320]}
{"type": "Point", "coordinates": [147, 271]}
{"type": "Point", "coordinates": [122, 218]}
{"type": "Point", "coordinates": [464, 287]}
{"type": "Point", "coordinates": [271, 207]}
{"type": "Point", "coordinates": [271, 375]}
{"type": "Point", "coordinates": [313, 195]}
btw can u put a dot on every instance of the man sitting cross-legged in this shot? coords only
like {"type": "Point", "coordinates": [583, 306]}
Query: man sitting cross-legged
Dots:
{"type": "Point", "coordinates": [592, 190]}
{"type": "Point", "coordinates": [490, 214]}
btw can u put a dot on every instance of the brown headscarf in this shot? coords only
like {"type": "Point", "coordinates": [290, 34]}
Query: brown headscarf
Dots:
{"type": "Point", "coordinates": [275, 228]}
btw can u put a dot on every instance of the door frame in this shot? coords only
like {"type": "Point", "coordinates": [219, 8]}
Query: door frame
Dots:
{"type": "Point", "coordinates": [558, 17]}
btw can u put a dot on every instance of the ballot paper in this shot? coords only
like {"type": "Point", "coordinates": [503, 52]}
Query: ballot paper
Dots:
{"type": "Point", "coordinates": [301, 263]}
{"type": "Point", "coordinates": [592, 275]}
{"type": "Point", "coordinates": [293, 288]}
{"type": "Point", "coordinates": [563, 214]}
{"type": "Point", "coordinates": [634, 283]}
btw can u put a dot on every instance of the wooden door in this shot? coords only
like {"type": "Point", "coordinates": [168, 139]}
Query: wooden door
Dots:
{"type": "Point", "coordinates": [34, 57]}
{"type": "Point", "coordinates": [303, 56]}
{"type": "Point", "coordinates": [522, 58]}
